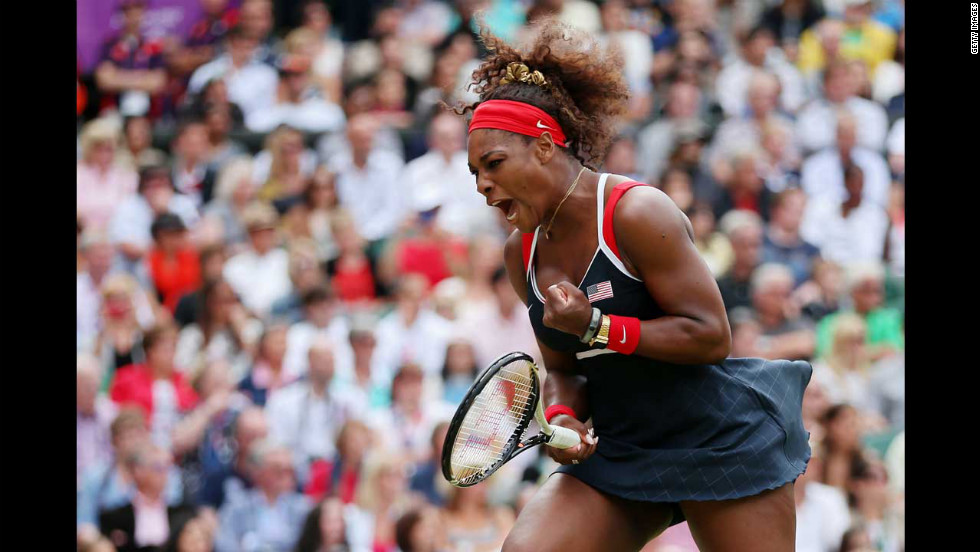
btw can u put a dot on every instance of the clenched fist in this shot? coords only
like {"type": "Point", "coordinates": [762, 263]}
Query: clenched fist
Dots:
{"type": "Point", "coordinates": [567, 309]}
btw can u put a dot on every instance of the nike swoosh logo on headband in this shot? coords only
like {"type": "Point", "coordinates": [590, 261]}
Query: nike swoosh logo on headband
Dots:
{"type": "Point", "coordinates": [543, 126]}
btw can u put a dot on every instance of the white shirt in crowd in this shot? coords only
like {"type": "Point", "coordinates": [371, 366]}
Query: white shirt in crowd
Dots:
{"type": "Point", "coordinates": [732, 85]}
{"type": "Point", "coordinates": [463, 211]}
{"type": "Point", "coordinates": [152, 526]}
{"type": "Point", "coordinates": [301, 335]}
{"type": "Point", "coordinates": [259, 280]}
{"type": "Point", "coordinates": [512, 333]}
{"type": "Point", "coordinates": [252, 87]}
{"type": "Point", "coordinates": [822, 176]}
{"type": "Point", "coordinates": [889, 81]}
{"type": "Point", "coordinates": [372, 194]}
{"type": "Point", "coordinates": [398, 432]}
{"type": "Point", "coordinates": [132, 220]}
{"type": "Point", "coordinates": [313, 114]}
{"type": "Point", "coordinates": [637, 57]}
{"type": "Point", "coordinates": [896, 138]}
{"type": "Point", "coordinates": [191, 351]}
{"type": "Point", "coordinates": [306, 423]}
{"type": "Point", "coordinates": [816, 125]}
{"type": "Point", "coordinates": [822, 519]}
{"type": "Point", "coordinates": [424, 342]}
{"type": "Point", "coordinates": [262, 165]}
{"type": "Point", "coordinates": [859, 237]}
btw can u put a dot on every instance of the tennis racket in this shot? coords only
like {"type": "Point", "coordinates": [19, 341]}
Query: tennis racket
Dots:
{"type": "Point", "coordinates": [489, 425]}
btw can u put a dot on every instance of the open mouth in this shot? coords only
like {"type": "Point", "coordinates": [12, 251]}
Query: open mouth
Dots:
{"type": "Point", "coordinates": [509, 207]}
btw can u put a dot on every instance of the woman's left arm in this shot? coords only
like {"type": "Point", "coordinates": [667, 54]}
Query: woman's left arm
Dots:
{"type": "Point", "coordinates": [655, 242]}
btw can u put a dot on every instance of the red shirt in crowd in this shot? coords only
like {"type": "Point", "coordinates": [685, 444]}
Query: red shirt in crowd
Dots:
{"type": "Point", "coordinates": [176, 276]}
{"type": "Point", "coordinates": [429, 258]}
{"type": "Point", "coordinates": [133, 385]}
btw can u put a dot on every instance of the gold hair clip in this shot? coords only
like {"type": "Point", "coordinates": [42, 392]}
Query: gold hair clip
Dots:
{"type": "Point", "coordinates": [518, 72]}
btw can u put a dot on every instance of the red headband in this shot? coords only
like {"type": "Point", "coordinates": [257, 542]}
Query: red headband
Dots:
{"type": "Point", "coordinates": [516, 117]}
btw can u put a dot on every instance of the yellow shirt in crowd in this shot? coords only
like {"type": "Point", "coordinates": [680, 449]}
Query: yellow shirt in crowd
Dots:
{"type": "Point", "coordinates": [871, 42]}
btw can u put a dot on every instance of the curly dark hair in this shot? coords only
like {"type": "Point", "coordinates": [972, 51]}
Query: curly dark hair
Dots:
{"type": "Point", "coordinates": [586, 88]}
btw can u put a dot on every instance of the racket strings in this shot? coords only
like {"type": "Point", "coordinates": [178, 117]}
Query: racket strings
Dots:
{"type": "Point", "coordinates": [498, 417]}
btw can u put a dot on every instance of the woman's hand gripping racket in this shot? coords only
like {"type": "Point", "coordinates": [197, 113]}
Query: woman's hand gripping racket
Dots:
{"type": "Point", "coordinates": [489, 425]}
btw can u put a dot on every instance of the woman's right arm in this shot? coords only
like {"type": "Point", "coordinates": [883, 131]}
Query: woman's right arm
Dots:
{"type": "Point", "coordinates": [562, 385]}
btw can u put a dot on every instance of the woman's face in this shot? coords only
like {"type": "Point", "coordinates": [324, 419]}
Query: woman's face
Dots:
{"type": "Point", "coordinates": [509, 175]}
{"type": "Point", "coordinates": [460, 359]}
{"type": "Point", "coordinates": [332, 522]}
{"type": "Point", "coordinates": [102, 153]}
{"type": "Point", "coordinates": [138, 134]}
{"type": "Point", "coordinates": [843, 430]}
{"type": "Point", "coordinates": [868, 295]}
{"type": "Point", "coordinates": [221, 302]}
{"type": "Point", "coordinates": [118, 306]}
{"type": "Point", "coordinates": [323, 193]}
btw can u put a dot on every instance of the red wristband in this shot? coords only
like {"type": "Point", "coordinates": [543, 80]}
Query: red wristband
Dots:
{"type": "Point", "coordinates": [557, 409]}
{"type": "Point", "coordinates": [624, 334]}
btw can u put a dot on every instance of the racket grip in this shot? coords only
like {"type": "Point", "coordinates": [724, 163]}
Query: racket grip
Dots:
{"type": "Point", "coordinates": [563, 438]}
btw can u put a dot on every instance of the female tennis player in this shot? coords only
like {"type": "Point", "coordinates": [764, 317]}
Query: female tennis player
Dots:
{"type": "Point", "coordinates": [630, 322]}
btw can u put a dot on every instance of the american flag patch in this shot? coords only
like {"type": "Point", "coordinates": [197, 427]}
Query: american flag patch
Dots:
{"type": "Point", "coordinates": [600, 291]}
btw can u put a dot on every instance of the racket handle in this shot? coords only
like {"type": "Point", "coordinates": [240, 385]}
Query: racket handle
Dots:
{"type": "Point", "coordinates": [563, 438]}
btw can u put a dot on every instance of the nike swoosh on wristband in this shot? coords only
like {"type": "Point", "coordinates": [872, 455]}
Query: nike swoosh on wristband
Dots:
{"type": "Point", "coordinates": [624, 336]}
{"type": "Point", "coordinates": [543, 126]}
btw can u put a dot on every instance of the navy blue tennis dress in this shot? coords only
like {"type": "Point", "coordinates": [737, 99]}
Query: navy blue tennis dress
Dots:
{"type": "Point", "coordinates": [671, 432]}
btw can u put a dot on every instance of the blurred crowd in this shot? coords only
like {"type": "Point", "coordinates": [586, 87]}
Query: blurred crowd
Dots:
{"type": "Point", "coordinates": [286, 280]}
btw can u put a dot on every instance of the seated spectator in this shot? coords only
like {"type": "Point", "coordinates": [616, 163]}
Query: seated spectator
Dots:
{"type": "Point", "coordinates": [129, 228]}
{"type": "Point", "coordinates": [381, 499]}
{"type": "Point", "coordinates": [94, 414]}
{"type": "Point", "coordinates": [744, 231]}
{"type": "Point", "coordinates": [269, 516]}
{"type": "Point", "coordinates": [321, 320]}
{"type": "Point", "coordinates": [353, 274]}
{"type": "Point", "coordinates": [219, 119]}
{"type": "Point", "coordinates": [782, 160]}
{"type": "Point", "coordinates": [340, 476]}
{"type": "Point", "coordinates": [172, 262]}
{"type": "Point", "coordinates": [637, 54]}
{"type": "Point", "coordinates": [460, 370]}
{"type": "Point", "coordinates": [131, 73]}
{"type": "Point", "coordinates": [367, 182]}
{"type": "Point", "coordinates": [325, 527]}
{"type": "Point", "coordinates": [822, 514]}
{"type": "Point", "coordinates": [109, 485]}
{"type": "Point", "coordinates": [267, 374]}
{"type": "Point", "coordinates": [305, 274]}
{"type": "Point", "coordinates": [885, 336]}
{"type": "Point", "coordinates": [147, 522]}
{"type": "Point", "coordinates": [621, 158]}
{"type": "Point", "coordinates": [713, 245]}
{"type": "Point", "coordinates": [821, 295]}
{"type": "Point", "coordinates": [100, 184]}
{"type": "Point", "coordinates": [234, 191]}
{"type": "Point", "coordinates": [815, 124]}
{"type": "Point", "coordinates": [896, 150]}
{"type": "Point", "coordinates": [845, 368]}
{"type": "Point", "coordinates": [783, 243]}
{"type": "Point", "coordinates": [889, 76]}
{"type": "Point", "coordinates": [306, 416]}
{"type": "Point", "coordinates": [138, 151]}
{"type": "Point", "coordinates": [229, 475]}
{"type": "Point", "coordinates": [281, 170]}
{"type": "Point", "coordinates": [260, 274]}
{"type": "Point", "coordinates": [822, 173]}
{"type": "Point", "coordinates": [251, 83]}
{"type": "Point", "coordinates": [406, 427]}
{"type": "Point", "coordinates": [223, 330]}
{"type": "Point", "coordinates": [840, 447]}
{"type": "Point", "coordinates": [393, 104]}
{"type": "Point", "coordinates": [746, 191]}
{"type": "Point", "coordinates": [887, 391]}
{"type": "Point", "coordinates": [472, 523]}
{"type": "Point", "coordinates": [311, 217]}
{"type": "Point", "coordinates": [328, 50]}
{"type": "Point", "coordinates": [656, 141]}
{"type": "Point", "coordinates": [192, 173]}
{"type": "Point", "coordinates": [156, 386]}
{"type": "Point", "coordinates": [212, 261]}
{"type": "Point", "coordinates": [256, 20]}
{"type": "Point", "coordinates": [758, 53]}
{"type": "Point", "coordinates": [119, 341]}
{"type": "Point", "coordinates": [424, 248]}
{"type": "Point", "coordinates": [207, 34]}
{"type": "Point", "coordinates": [870, 500]}
{"type": "Point", "coordinates": [367, 387]}
{"type": "Point", "coordinates": [297, 102]}
{"type": "Point", "coordinates": [783, 334]}
{"type": "Point", "coordinates": [412, 332]}
{"type": "Point", "coordinates": [789, 19]}
{"type": "Point", "coordinates": [508, 316]}
{"type": "Point", "coordinates": [427, 478]}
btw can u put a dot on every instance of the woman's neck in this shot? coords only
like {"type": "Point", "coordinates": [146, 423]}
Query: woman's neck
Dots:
{"type": "Point", "coordinates": [578, 210]}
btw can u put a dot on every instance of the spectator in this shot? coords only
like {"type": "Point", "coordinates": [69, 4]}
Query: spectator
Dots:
{"type": "Point", "coordinates": [267, 375]}
{"type": "Point", "coordinates": [885, 336]}
{"type": "Point", "coordinates": [251, 83]}
{"type": "Point", "coordinates": [850, 231]}
{"type": "Point", "coordinates": [311, 217]}
{"type": "Point", "coordinates": [131, 73]}
{"type": "Point", "coordinates": [746, 191]}
{"type": "Point", "coordinates": [327, 50]}
{"type": "Point", "coordinates": [424, 248]}
{"type": "Point", "coordinates": [282, 169]}
{"type": "Point", "coordinates": [130, 226]}
{"type": "Point", "coordinates": [815, 123]}
{"type": "Point", "coordinates": [784, 333]}
{"type": "Point", "coordinates": [207, 34]}
{"type": "Point", "coordinates": [366, 181]}
{"type": "Point", "coordinates": [744, 231]}
{"type": "Point", "coordinates": [219, 119]}
{"type": "Point", "coordinates": [889, 79]}
{"type": "Point", "coordinates": [758, 53]}
{"type": "Point", "coordinates": [172, 262]}
{"type": "Point", "coordinates": [471, 522]}
{"type": "Point", "coordinates": [325, 528]}
{"type": "Point", "coordinates": [427, 478]}
{"type": "Point", "coordinates": [353, 274]}
{"type": "Point", "coordinates": [230, 475]}
{"type": "Point", "coordinates": [341, 476]}
{"type": "Point", "coordinates": [887, 393]}
{"type": "Point", "coordinates": [381, 499]}
{"type": "Point", "coordinates": [821, 295]}
{"type": "Point", "coordinates": [869, 496]}
{"type": "Point", "coordinates": [298, 104]}
{"type": "Point", "coordinates": [305, 275]}
{"type": "Point", "coordinates": [460, 370]}
{"type": "Point", "coordinates": [147, 522]}
{"type": "Point", "coordinates": [212, 261]}
{"type": "Point", "coordinates": [269, 516]}
{"type": "Point", "coordinates": [100, 184]}
{"type": "Point", "coordinates": [260, 274]}
{"type": "Point", "coordinates": [841, 445]}
{"type": "Point", "coordinates": [867, 40]}
{"type": "Point", "coordinates": [790, 19]}
{"type": "Point", "coordinates": [822, 515]}
{"type": "Point", "coordinates": [896, 150]}
{"type": "Point", "coordinates": [845, 368]}
{"type": "Point", "coordinates": [138, 151]}
{"type": "Point", "coordinates": [507, 315]}
{"type": "Point", "coordinates": [94, 414]}
{"type": "Point", "coordinates": [783, 243]}
{"type": "Point", "coordinates": [402, 332]}
{"type": "Point", "coordinates": [257, 22]}
{"type": "Point", "coordinates": [233, 193]}
{"type": "Point", "coordinates": [421, 530]}
{"type": "Point", "coordinates": [118, 343]}
{"type": "Point", "coordinates": [637, 54]}
{"type": "Point", "coordinates": [368, 388]}
{"type": "Point", "coordinates": [657, 140]}
{"type": "Point", "coordinates": [713, 245]}
{"type": "Point", "coordinates": [307, 415]}
{"type": "Point", "coordinates": [156, 386]}
{"type": "Point", "coordinates": [406, 427]}
{"type": "Point", "coordinates": [192, 174]}
{"type": "Point", "coordinates": [222, 330]}
{"type": "Point", "coordinates": [321, 321]}
{"type": "Point", "coordinates": [822, 173]}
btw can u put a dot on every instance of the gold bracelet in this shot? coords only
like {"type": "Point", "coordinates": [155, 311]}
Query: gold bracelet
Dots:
{"type": "Point", "coordinates": [602, 336]}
